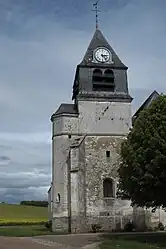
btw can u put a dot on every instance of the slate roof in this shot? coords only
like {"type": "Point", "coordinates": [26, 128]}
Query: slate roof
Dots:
{"type": "Point", "coordinates": [99, 40]}
{"type": "Point", "coordinates": [65, 109]}
{"type": "Point", "coordinates": [146, 103]}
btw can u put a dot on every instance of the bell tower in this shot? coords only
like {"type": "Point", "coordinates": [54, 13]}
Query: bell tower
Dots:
{"type": "Point", "coordinates": [101, 74]}
{"type": "Point", "coordinates": [101, 84]}
{"type": "Point", "coordinates": [86, 140]}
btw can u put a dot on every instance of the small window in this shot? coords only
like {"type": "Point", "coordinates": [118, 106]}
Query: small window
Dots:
{"type": "Point", "coordinates": [69, 136]}
{"type": "Point", "coordinates": [108, 188]}
{"type": "Point", "coordinates": [107, 153]}
{"type": "Point", "coordinates": [58, 198]}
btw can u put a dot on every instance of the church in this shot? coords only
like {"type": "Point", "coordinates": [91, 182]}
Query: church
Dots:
{"type": "Point", "coordinates": [86, 140]}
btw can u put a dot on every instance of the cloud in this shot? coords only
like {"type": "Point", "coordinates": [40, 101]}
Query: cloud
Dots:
{"type": "Point", "coordinates": [23, 180]}
{"type": "Point", "coordinates": [4, 160]}
{"type": "Point", "coordinates": [40, 45]}
{"type": "Point", "coordinates": [25, 166]}
{"type": "Point", "coordinates": [14, 195]}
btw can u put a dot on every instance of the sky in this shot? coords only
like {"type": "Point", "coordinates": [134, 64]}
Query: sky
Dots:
{"type": "Point", "coordinates": [41, 42]}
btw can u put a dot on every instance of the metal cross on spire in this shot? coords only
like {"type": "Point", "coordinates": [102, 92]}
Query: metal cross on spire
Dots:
{"type": "Point", "coordinates": [96, 9]}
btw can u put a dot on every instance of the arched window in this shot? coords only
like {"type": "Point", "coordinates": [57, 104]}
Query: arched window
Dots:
{"type": "Point", "coordinates": [103, 82]}
{"type": "Point", "coordinates": [58, 198]}
{"type": "Point", "coordinates": [97, 75]}
{"type": "Point", "coordinates": [109, 76]}
{"type": "Point", "coordinates": [108, 188]}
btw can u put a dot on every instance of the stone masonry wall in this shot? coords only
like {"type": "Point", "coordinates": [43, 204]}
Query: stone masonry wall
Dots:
{"type": "Point", "coordinates": [99, 167]}
{"type": "Point", "coordinates": [78, 198]}
{"type": "Point", "coordinates": [65, 124]}
{"type": "Point", "coordinates": [105, 125]}
{"type": "Point", "coordinates": [113, 118]}
{"type": "Point", "coordinates": [61, 147]}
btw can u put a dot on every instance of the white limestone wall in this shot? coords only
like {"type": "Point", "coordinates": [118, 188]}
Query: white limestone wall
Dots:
{"type": "Point", "coordinates": [104, 117]}
{"type": "Point", "coordinates": [74, 193]}
{"type": "Point", "coordinates": [60, 153]}
{"type": "Point", "coordinates": [145, 217]}
{"type": "Point", "coordinates": [162, 216]}
{"type": "Point", "coordinates": [65, 125]}
{"type": "Point", "coordinates": [96, 118]}
{"type": "Point", "coordinates": [62, 127]}
{"type": "Point", "coordinates": [57, 126]}
{"type": "Point", "coordinates": [70, 125]}
{"type": "Point", "coordinates": [155, 217]}
{"type": "Point", "coordinates": [74, 180]}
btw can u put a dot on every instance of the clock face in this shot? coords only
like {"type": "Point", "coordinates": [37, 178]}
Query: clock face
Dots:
{"type": "Point", "coordinates": [102, 55]}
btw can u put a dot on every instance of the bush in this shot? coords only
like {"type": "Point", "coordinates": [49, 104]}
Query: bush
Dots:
{"type": "Point", "coordinates": [161, 226]}
{"type": "Point", "coordinates": [96, 228]}
{"type": "Point", "coordinates": [35, 203]}
{"type": "Point", "coordinates": [48, 224]}
{"type": "Point", "coordinates": [129, 227]}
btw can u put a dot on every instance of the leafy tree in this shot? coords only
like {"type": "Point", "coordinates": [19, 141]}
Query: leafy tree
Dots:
{"type": "Point", "coordinates": [35, 203]}
{"type": "Point", "coordinates": [142, 170]}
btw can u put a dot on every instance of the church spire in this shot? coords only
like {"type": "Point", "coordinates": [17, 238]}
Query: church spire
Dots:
{"type": "Point", "coordinates": [98, 40]}
{"type": "Point", "coordinates": [96, 9]}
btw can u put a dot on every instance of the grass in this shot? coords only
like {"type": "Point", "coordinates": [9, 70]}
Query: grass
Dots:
{"type": "Point", "coordinates": [135, 241]}
{"type": "Point", "coordinates": [23, 221]}
{"type": "Point", "coordinates": [24, 231]}
{"type": "Point", "coordinates": [126, 245]}
{"type": "Point", "coordinates": [17, 214]}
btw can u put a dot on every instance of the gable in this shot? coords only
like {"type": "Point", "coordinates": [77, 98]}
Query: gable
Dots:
{"type": "Point", "coordinates": [99, 40]}
{"type": "Point", "coordinates": [146, 104]}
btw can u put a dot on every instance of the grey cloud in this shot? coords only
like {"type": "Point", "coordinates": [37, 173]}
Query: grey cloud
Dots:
{"type": "Point", "coordinates": [15, 195]}
{"type": "Point", "coordinates": [29, 167]}
{"type": "Point", "coordinates": [4, 158]}
{"type": "Point", "coordinates": [23, 180]}
{"type": "Point", "coordinates": [26, 157]}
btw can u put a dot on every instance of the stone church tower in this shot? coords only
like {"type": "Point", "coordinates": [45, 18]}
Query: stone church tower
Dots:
{"type": "Point", "coordinates": [86, 139]}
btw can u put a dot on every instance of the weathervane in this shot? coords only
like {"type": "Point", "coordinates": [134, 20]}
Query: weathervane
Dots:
{"type": "Point", "coordinates": [96, 9]}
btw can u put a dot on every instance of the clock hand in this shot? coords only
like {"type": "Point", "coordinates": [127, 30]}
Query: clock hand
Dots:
{"type": "Point", "coordinates": [105, 56]}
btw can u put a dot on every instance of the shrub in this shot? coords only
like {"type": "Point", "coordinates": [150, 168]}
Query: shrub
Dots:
{"type": "Point", "coordinates": [35, 203]}
{"type": "Point", "coordinates": [129, 227]}
{"type": "Point", "coordinates": [48, 224]}
{"type": "Point", "coordinates": [161, 226]}
{"type": "Point", "coordinates": [96, 228]}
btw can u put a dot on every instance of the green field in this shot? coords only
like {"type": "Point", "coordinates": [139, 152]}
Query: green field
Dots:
{"type": "Point", "coordinates": [12, 213]}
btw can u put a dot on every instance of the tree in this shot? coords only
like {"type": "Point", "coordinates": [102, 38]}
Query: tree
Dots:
{"type": "Point", "coordinates": [35, 203]}
{"type": "Point", "coordinates": [142, 172]}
